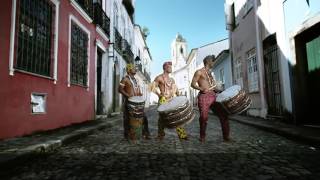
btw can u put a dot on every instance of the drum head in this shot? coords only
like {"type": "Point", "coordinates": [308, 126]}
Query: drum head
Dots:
{"type": "Point", "coordinates": [228, 93]}
{"type": "Point", "coordinates": [173, 104]}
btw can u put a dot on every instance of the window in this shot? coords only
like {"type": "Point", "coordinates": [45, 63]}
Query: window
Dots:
{"type": "Point", "coordinates": [238, 71]}
{"type": "Point", "coordinates": [34, 31]}
{"type": "Point", "coordinates": [247, 7]}
{"type": "Point", "coordinates": [252, 71]}
{"type": "Point", "coordinates": [116, 16]}
{"type": "Point", "coordinates": [222, 75]}
{"type": "Point", "coordinates": [79, 55]}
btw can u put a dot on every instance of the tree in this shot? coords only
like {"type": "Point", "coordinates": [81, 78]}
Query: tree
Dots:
{"type": "Point", "coordinates": [145, 32]}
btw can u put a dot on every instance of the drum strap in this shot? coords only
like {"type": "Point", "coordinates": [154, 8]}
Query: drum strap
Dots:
{"type": "Point", "coordinates": [210, 78]}
{"type": "Point", "coordinates": [134, 84]}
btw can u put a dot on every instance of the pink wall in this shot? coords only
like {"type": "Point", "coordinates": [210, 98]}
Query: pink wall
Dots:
{"type": "Point", "coordinates": [65, 105]}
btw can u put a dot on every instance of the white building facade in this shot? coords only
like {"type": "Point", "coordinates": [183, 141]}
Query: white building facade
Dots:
{"type": "Point", "coordinates": [179, 64]}
{"type": "Point", "coordinates": [263, 36]}
{"type": "Point", "coordinates": [120, 51]}
{"type": "Point", "coordinates": [143, 62]}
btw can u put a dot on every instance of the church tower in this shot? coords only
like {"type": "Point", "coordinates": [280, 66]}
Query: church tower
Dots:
{"type": "Point", "coordinates": [178, 52]}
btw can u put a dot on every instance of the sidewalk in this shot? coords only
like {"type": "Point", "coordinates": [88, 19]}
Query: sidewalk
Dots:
{"type": "Point", "coordinates": [300, 133]}
{"type": "Point", "coordinates": [303, 134]}
{"type": "Point", "coordinates": [19, 149]}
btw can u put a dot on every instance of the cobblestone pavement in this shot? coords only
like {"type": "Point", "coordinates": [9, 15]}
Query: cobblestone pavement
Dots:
{"type": "Point", "coordinates": [254, 154]}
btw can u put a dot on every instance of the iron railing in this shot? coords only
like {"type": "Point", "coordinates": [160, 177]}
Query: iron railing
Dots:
{"type": "Point", "coordinates": [101, 18]}
{"type": "Point", "coordinates": [126, 51]}
{"type": "Point", "coordinates": [117, 40]}
{"type": "Point", "coordinates": [34, 32]}
{"type": "Point", "coordinates": [87, 6]}
{"type": "Point", "coordinates": [79, 55]}
{"type": "Point", "coordinates": [147, 75]}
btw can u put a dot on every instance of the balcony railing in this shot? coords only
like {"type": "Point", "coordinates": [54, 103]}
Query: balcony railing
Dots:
{"type": "Point", "coordinates": [128, 55]}
{"type": "Point", "coordinates": [129, 7]}
{"type": "Point", "coordinates": [139, 66]}
{"type": "Point", "coordinates": [126, 51]}
{"type": "Point", "coordinates": [147, 75]}
{"type": "Point", "coordinates": [117, 40]}
{"type": "Point", "coordinates": [87, 6]}
{"type": "Point", "coordinates": [101, 18]}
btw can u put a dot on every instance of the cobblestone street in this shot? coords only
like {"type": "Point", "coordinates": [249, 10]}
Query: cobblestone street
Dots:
{"type": "Point", "coordinates": [254, 154]}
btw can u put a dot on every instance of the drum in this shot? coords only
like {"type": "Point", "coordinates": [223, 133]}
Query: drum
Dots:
{"type": "Point", "coordinates": [178, 111]}
{"type": "Point", "coordinates": [234, 100]}
{"type": "Point", "coordinates": [136, 114]}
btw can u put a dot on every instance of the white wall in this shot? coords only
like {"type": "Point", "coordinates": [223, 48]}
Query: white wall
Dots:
{"type": "Point", "coordinates": [210, 49]}
{"type": "Point", "coordinates": [140, 49]}
{"type": "Point", "coordinates": [125, 28]}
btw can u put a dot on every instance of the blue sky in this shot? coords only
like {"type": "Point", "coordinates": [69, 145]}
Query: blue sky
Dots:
{"type": "Point", "coordinates": [199, 21]}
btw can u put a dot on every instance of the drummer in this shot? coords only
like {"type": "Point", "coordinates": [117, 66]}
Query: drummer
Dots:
{"type": "Point", "coordinates": [129, 87]}
{"type": "Point", "coordinates": [205, 83]}
{"type": "Point", "coordinates": [168, 90]}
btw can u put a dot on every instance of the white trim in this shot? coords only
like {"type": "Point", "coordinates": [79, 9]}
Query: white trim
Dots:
{"type": "Point", "coordinates": [300, 29]}
{"type": "Point", "coordinates": [81, 11]}
{"type": "Point", "coordinates": [12, 37]}
{"type": "Point", "coordinates": [55, 64]}
{"type": "Point", "coordinates": [74, 19]}
{"type": "Point", "coordinates": [101, 46]}
{"type": "Point", "coordinates": [102, 33]}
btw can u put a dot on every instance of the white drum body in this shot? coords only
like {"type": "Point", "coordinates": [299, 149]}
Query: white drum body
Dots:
{"type": "Point", "coordinates": [234, 100]}
{"type": "Point", "coordinates": [178, 111]}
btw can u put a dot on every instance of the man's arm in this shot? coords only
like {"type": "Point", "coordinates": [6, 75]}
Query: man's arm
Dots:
{"type": "Point", "coordinates": [195, 79]}
{"type": "Point", "coordinates": [121, 88]}
{"type": "Point", "coordinates": [158, 81]}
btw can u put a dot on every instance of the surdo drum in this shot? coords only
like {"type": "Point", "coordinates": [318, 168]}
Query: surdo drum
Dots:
{"type": "Point", "coordinates": [178, 111]}
{"type": "Point", "coordinates": [136, 115]}
{"type": "Point", "coordinates": [234, 100]}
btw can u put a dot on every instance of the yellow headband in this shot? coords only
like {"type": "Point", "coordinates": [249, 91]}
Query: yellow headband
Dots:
{"type": "Point", "coordinates": [130, 66]}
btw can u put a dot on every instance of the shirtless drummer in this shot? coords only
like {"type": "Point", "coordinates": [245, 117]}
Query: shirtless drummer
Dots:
{"type": "Point", "coordinates": [168, 90]}
{"type": "Point", "coordinates": [129, 87]}
{"type": "Point", "coordinates": [205, 83]}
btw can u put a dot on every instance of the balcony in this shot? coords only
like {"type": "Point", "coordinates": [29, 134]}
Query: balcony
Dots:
{"type": "Point", "coordinates": [139, 66]}
{"type": "Point", "coordinates": [129, 7]}
{"type": "Point", "coordinates": [87, 6]}
{"type": "Point", "coordinates": [147, 75]}
{"type": "Point", "coordinates": [128, 55]}
{"type": "Point", "coordinates": [117, 41]}
{"type": "Point", "coordinates": [101, 18]}
{"type": "Point", "coordinates": [126, 51]}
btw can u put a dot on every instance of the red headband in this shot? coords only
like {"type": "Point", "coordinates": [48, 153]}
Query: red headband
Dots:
{"type": "Point", "coordinates": [168, 63]}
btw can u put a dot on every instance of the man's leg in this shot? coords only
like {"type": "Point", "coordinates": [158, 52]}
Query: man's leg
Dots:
{"type": "Point", "coordinates": [204, 102]}
{"type": "Point", "coordinates": [223, 117]}
{"type": "Point", "coordinates": [145, 130]}
{"type": "Point", "coordinates": [161, 133]}
{"type": "Point", "coordinates": [125, 123]}
{"type": "Point", "coordinates": [182, 133]}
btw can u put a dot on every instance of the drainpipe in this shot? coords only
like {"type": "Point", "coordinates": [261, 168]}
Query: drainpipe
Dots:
{"type": "Point", "coordinates": [263, 111]}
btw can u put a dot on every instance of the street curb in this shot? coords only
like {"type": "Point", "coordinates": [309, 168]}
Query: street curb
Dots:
{"type": "Point", "coordinates": [8, 159]}
{"type": "Point", "coordinates": [282, 131]}
{"type": "Point", "coordinates": [285, 132]}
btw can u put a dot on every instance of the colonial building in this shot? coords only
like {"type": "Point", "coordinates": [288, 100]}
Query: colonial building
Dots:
{"type": "Point", "coordinates": [120, 51]}
{"type": "Point", "coordinates": [273, 46]}
{"type": "Point", "coordinates": [49, 62]}
{"type": "Point", "coordinates": [179, 66]}
{"type": "Point", "coordinates": [222, 69]}
{"type": "Point", "coordinates": [143, 61]}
